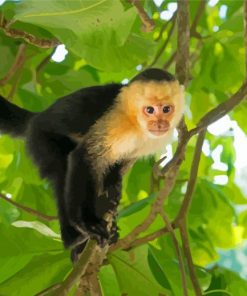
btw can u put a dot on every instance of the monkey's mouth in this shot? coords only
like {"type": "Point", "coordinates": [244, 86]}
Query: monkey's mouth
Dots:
{"type": "Point", "coordinates": [159, 132]}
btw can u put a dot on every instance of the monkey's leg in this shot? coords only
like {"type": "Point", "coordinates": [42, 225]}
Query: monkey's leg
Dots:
{"type": "Point", "coordinates": [80, 193]}
{"type": "Point", "coordinates": [50, 154]}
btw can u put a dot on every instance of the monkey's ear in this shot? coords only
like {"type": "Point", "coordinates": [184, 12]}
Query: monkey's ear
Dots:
{"type": "Point", "coordinates": [182, 87]}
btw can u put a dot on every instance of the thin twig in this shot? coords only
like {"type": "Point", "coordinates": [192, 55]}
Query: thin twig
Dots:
{"type": "Point", "coordinates": [164, 26]}
{"type": "Point", "coordinates": [14, 85]}
{"type": "Point", "coordinates": [187, 253]}
{"type": "Point", "coordinates": [148, 24]}
{"type": "Point", "coordinates": [178, 251]}
{"type": "Point", "coordinates": [28, 210]}
{"type": "Point", "coordinates": [163, 47]}
{"type": "Point", "coordinates": [45, 61]}
{"type": "Point", "coordinates": [42, 64]}
{"type": "Point", "coordinates": [29, 38]}
{"type": "Point", "coordinates": [170, 61]}
{"type": "Point", "coordinates": [48, 290]}
{"type": "Point", "coordinates": [19, 60]}
{"type": "Point", "coordinates": [199, 12]}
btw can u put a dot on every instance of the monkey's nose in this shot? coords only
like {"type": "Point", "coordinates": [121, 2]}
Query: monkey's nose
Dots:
{"type": "Point", "coordinates": [162, 124]}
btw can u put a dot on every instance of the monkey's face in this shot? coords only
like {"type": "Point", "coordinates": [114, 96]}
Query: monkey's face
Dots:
{"type": "Point", "coordinates": [155, 107]}
{"type": "Point", "coordinates": [158, 118]}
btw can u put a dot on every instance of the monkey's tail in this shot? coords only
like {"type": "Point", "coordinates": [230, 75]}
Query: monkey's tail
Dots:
{"type": "Point", "coordinates": [13, 119]}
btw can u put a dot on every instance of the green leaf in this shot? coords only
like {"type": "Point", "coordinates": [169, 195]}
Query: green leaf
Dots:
{"type": "Point", "coordinates": [19, 245]}
{"type": "Point", "coordinates": [40, 227]}
{"type": "Point", "coordinates": [134, 265]}
{"type": "Point", "coordinates": [226, 280]}
{"type": "Point", "coordinates": [108, 281]}
{"type": "Point", "coordinates": [98, 31]}
{"type": "Point", "coordinates": [40, 273]}
{"type": "Point", "coordinates": [138, 179]}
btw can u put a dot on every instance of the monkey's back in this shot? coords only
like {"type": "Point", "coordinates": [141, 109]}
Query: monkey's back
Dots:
{"type": "Point", "coordinates": [77, 112]}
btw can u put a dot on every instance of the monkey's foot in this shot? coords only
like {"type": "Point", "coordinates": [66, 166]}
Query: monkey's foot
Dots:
{"type": "Point", "coordinates": [95, 231]}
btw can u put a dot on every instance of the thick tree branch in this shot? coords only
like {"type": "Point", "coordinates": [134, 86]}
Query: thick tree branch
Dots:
{"type": "Point", "coordinates": [28, 210]}
{"type": "Point", "coordinates": [29, 38]}
{"type": "Point", "coordinates": [148, 24]}
{"type": "Point", "coordinates": [183, 25]}
{"type": "Point", "coordinates": [79, 269]}
{"type": "Point", "coordinates": [193, 31]}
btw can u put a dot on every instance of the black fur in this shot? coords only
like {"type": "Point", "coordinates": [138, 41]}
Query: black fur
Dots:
{"type": "Point", "coordinates": [154, 74]}
{"type": "Point", "coordinates": [13, 120]}
{"type": "Point", "coordinates": [65, 162]}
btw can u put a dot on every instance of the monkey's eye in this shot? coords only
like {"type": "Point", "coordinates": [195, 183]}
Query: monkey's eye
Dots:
{"type": "Point", "coordinates": [149, 110]}
{"type": "Point", "coordinates": [167, 109]}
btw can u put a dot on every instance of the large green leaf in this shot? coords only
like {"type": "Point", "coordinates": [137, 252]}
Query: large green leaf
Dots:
{"type": "Point", "coordinates": [40, 273]}
{"type": "Point", "coordinates": [98, 30]}
{"type": "Point", "coordinates": [19, 245]}
{"type": "Point", "coordinates": [134, 265]}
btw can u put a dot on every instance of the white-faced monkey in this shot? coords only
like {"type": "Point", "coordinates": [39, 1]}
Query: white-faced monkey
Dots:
{"type": "Point", "coordinates": [84, 142]}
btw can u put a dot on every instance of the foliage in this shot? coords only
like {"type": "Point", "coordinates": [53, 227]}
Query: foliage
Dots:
{"type": "Point", "coordinates": [105, 43]}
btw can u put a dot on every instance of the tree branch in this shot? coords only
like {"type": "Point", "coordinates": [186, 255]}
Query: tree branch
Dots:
{"type": "Point", "coordinates": [29, 38]}
{"type": "Point", "coordinates": [164, 26]}
{"type": "Point", "coordinates": [181, 217]}
{"type": "Point", "coordinates": [79, 269]}
{"type": "Point", "coordinates": [148, 24]}
{"type": "Point", "coordinates": [192, 179]}
{"type": "Point", "coordinates": [221, 110]}
{"type": "Point", "coordinates": [183, 24]}
{"type": "Point", "coordinates": [28, 210]}
{"type": "Point", "coordinates": [45, 61]}
{"type": "Point", "coordinates": [193, 31]}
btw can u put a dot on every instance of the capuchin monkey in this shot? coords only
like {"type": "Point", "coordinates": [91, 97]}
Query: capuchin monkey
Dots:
{"type": "Point", "coordinates": [85, 141]}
